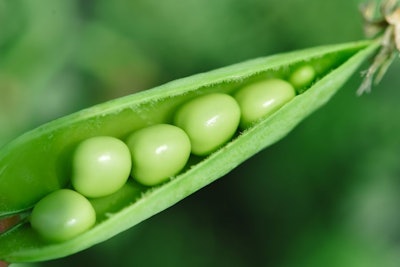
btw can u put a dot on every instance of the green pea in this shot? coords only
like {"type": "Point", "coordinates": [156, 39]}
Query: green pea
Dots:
{"type": "Point", "coordinates": [101, 166]}
{"type": "Point", "coordinates": [158, 153]}
{"type": "Point", "coordinates": [261, 99]}
{"type": "Point", "coordinates": [302, 76]}
{"type": "Point", "coordinates": [210, 121]}
{"type": "Point", "coordinates": [62, 215]}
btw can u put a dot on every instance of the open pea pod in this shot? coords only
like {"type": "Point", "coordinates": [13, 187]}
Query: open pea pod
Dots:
{"type": "Point", "coordinates": [38, 162]}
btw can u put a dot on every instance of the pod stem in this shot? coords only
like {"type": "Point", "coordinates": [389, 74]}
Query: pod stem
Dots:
{"type": "Point", "coordinates": [5, 225]}
{"type": "Point", "coordinates": [386, 25]}
{"type": "Point", "coordinates": [8, 223]}
{"type": "Point", "coordinates": [11, 222]}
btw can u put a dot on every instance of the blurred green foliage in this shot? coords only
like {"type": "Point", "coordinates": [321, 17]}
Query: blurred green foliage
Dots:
{"type": "Point", "coordinates": [327, 195]}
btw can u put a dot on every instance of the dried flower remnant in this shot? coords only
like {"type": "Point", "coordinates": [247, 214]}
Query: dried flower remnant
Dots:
{"type": "Point", "coordinates": [386, 24]}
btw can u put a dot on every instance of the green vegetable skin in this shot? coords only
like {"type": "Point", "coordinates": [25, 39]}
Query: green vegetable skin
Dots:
{"type": "Point", "coordinates": [25, 177]}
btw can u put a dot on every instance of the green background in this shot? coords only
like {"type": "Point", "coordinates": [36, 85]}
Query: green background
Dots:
{"type": "Point", "coordinates": [327, 195]}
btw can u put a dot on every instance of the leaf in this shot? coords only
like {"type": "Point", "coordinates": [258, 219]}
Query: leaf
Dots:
{"type": "Point", "coordinates": [38, 162]}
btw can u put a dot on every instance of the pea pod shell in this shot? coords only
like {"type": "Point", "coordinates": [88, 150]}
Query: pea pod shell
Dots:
{"type": "Point", "coordinates": [37, 162]}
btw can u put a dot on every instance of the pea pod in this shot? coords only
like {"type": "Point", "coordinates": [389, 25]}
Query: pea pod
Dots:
{"type": "Point", "coordinates": [38, 162]}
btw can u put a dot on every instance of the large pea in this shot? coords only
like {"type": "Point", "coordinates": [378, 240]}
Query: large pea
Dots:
{"type": "Point", "coordinates": [62, 215]}
{"type": "Point", "coordinates": [158, 153]}
{"type": "Point", "coordinates": [261, 99]}
{"type": "Point", "coordinates": [210, 121]}
{"type": "Point", "coordinates": [302, 76]}
{"type": "Point", "coordinates": [101, 166]}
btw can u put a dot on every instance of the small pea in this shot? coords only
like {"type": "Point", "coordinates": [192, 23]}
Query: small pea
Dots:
{"type": "Point", "coordinates": [261, 99]}
{"type": "Point", "coordinates": [158, 153]}
{"type": "Point", "coordinates": [101, 166]}
{"type": "Point", "coordinates": [302, 76]}
{"type": "Point", "coordinates": [210, 121]}
{"type": "Point", "coordinates": [62, 215]}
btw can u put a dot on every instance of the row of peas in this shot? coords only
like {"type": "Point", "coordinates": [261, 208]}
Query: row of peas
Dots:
{"type": "Point", "coordinates": [152, 155]}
